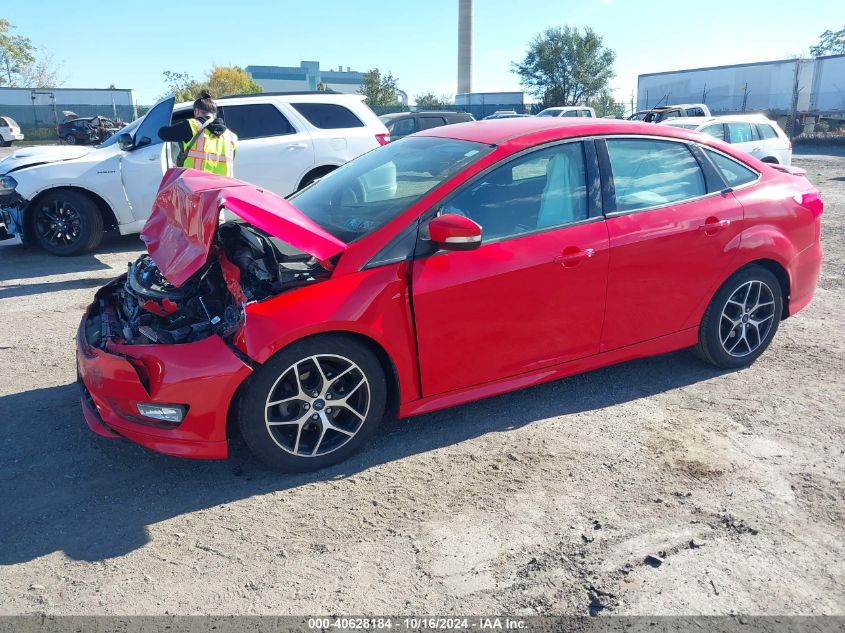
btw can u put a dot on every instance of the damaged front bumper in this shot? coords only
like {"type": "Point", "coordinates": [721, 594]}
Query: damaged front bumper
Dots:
{"type": "Point", "coordinates": [11, 215]}
{"type": "Point", "coordinates": [202, 376]}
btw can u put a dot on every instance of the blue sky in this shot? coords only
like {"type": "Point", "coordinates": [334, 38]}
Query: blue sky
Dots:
{"type": "Point", "coordinates": [130, 43]}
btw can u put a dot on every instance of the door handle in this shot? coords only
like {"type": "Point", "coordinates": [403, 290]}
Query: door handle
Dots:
{"type": "Point", "coordinates": [572, 256]}
{"type": "Point", "coordinates": [298, 146]}
{"type": "Point", "coordinates": [713, 225]}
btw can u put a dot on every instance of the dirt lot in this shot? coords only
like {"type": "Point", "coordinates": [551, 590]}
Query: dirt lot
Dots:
{"type": "Point", "coordinates": [543, 501]}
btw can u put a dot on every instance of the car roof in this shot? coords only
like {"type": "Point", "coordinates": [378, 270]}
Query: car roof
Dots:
{"type": "Point", "coordinates": [497, 131]}
{"type": "Point", "coordinates": [302, 97]}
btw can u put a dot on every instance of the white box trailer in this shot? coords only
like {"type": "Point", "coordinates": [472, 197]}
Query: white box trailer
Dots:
{"type": "Point", "coordinates": [808, 85]}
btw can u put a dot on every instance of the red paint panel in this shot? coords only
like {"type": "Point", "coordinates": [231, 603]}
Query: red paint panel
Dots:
{"type": "Point", "coordinates": [509, 307]}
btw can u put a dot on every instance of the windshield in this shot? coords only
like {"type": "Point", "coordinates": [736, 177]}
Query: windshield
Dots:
{"type": "Point", "coordinates": [370, 191]}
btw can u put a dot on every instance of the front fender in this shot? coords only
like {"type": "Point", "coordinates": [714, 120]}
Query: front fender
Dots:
{"type": "Point", "coordinates": [374, 304]}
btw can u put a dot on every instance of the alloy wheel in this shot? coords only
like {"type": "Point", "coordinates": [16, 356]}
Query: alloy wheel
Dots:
{"type": "Point", "coordinates": [58, 223]}
{"type": "Point", "coordinates": [747, 318]}
{"type": "Point", "coordinates": [317, 405]}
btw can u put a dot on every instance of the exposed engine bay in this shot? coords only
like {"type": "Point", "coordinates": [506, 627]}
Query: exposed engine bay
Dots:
{"type": "Point", "coordinates": [246, 264]}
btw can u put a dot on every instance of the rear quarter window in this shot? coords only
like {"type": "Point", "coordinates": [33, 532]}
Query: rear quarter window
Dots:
{"type": "Point", "coordinates": [328, 116]}
{"type": "Point", "coordinates": [734, 172]}
{"type": "Point", "coordinates": [766, 131]}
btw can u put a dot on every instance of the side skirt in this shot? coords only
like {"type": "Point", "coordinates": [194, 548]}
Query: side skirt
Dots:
{"type": "Point", "coordinates": [653, 347]}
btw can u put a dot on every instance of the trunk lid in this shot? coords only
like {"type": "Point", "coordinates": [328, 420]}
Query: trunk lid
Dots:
{"type": "Point", "coordinates": [180, 232]}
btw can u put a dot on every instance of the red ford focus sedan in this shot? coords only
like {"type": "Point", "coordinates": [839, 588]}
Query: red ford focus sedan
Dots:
{"type": "Point", "coordinates": [456, 264]}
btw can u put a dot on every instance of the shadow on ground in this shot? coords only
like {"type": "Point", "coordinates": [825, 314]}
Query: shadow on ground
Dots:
{"type": "Point", "coordinates": [66, 489]}
{"type": "Point", "coordinates": [26, 262]}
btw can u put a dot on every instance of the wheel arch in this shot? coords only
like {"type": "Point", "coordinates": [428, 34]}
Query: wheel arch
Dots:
{"type": "Point", "coordinates": [109, 218]}
{"type": "Point", "coordinates": [391, 375]}
{"type": "Point", "coordinates": [771, 160]}
{"type": "Point", "coordinates": [781, 274]}
{"type": "Point", "coordinates": [316, 172]}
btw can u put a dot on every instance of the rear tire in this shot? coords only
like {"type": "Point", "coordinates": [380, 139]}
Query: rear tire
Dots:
{"type": "Point", "coordinates": [741, 320]}
{"type": "Point", "coordinates": [7, 143]}
{"type": "Point", "coordinates": [70, 139]}
{"type": "Point", "coordinates": [313, 404]}
{"type": "Point", "coordinates": [66, 223]}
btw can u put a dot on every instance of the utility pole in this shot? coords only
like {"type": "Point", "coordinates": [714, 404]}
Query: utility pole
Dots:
{"type": "Point", "coordinates": [744, 96]}
{"type": "Point", "coordinates": [632, 102]}
{"type": "Point", "coordinates": [704, 95]}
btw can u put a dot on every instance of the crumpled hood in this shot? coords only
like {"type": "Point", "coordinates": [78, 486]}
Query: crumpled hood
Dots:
{"type": "Point", "coordinates": [179, 233]}
{"type": "Point", "coordinates": [27, 156]}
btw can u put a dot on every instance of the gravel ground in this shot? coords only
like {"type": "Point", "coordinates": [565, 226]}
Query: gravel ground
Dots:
{"type": "Point", "coordinates": [544, 501]}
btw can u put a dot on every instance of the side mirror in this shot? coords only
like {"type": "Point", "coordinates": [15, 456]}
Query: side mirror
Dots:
{"type": "Point", "coordinates": [125, 141]}
{"type": "Point", "coordinates": [453, 232]}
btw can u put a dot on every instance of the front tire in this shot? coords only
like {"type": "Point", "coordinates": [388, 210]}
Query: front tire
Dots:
{"type": "Point", "coordinates": [313, 404]}
{"type": "Point", "coordinates": [66, 223]}
{"type": "Point", "coordinates": [741, 320]}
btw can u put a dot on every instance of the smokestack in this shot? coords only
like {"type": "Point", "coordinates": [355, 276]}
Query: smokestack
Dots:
{"type": "Point", "coordinates": [465, 11]}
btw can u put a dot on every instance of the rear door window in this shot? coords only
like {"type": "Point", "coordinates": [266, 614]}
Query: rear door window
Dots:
{"type": "Point", "coordinates": [740, 132]}
{"type": "Point", "coordinates": [328, 116]}
{"type": "Point", "coordinates": [695, 112]}
{"type": "Point", "coordinates": [651, 173]}
{"type": "Point", "coordinates": [734, 172]}
{"type": "Point", "coordinates": [4, 122]}
{"type": "Point", "coordinates": [404, 126]}
{"type": "Point", "coordinates": [427, 122]}
{"type": "Point", "coordinates": [256, 120]}
{"type": "Point", "coordinates": [716, 131]}
{"type": "Point", "coordinates": [570, 113]}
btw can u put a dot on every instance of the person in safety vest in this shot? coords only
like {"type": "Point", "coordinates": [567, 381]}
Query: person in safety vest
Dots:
{"type": "Point", "coordinates": [213, 146]}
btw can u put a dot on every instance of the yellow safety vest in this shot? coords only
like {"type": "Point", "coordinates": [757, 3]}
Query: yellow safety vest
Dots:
{"type": "Point", "coordinates": [212, 153]}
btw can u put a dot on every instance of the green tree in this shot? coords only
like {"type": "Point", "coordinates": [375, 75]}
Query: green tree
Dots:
{"type": "Point", "coordinates": [431, 100]}
{"type": "Point", "coordinates": [19, 66]}
{"type": "Point", "coordinates": [605, 104]}
{"type": "Point", "coordinates": [830, 43]}
{"type": "Point", "coordinates": [220, 81]}
{"type": "Point", "coordinates": [379, 90]}
{"type": "Point", "coordinates": [565, 67]}
{"type": "Point", "coordinates": [230, 80]}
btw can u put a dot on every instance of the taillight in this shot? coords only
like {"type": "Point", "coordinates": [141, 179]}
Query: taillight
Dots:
{"type": "Point", "coordinates": [811, 201]}
{"type": "Point", "coordinates": [383, 139]}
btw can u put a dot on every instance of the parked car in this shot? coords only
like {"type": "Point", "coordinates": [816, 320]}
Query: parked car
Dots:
{"type": "Point", "coordinates": [753, 133]}
{"type": "Point", "coordinates": [62, 198]}
{"type": "Point", "coordinates": [9, 131]}
{"type": "Point", "coordinates": [401, 124]}
{"type": "Point", "coordinates": [505, 114]}
{"type": "Point", "coordinates": [657, 115]}
{"type": "Point", "coordinates": [568, 245]}
{"type": "Point", "coordinates": [90, 130]}
{"type": "Point", "coordinates": [640, 115]}
{"type": "Point", "coordinates": [576, 111]}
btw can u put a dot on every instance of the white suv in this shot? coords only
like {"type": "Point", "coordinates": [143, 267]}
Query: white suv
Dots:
{"type": "Point", "coordinates": [9, 131]}
{"type": "Point", "coordinates": [62, 198]}
{"type": "Point", "coordinates": [752, 133]}
{"type": "Point", "coordinates": [576, 111]}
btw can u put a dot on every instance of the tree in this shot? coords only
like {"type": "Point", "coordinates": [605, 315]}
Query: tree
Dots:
{"type": "Point", "coordinates": [220, 81]}
{"type": "Point", "coordinates": [230, 80]}
{"type": "Point", "coordinates": [19, 67]}
{"type": "Point", "coordinates": [605, 104]}
{"type": "Point", "coordinates": [565, 67]}
{"type": "Point", "coordinates": [430, 100]}
{"type": "Point", "coordinates": [379, 90]}
{"type": "Point", "coordinates": [830, 43]}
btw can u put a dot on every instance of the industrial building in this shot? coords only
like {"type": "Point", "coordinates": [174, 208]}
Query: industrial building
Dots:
{"type": "Point", "coordinates": [307, 76]}
{"type": "Point", "coordinates": [805, 86]}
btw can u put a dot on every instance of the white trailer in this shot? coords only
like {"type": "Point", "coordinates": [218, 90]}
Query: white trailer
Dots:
{"type": "Point", "coordinates": [780, 86]}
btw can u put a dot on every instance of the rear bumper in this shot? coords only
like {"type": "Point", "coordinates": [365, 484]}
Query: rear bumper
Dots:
{"type": "Point", "coordinates": [13, 136]}
{"type": "Point", "coordinates": [805, 270]}
{"type": "Point", "coordinates": [203, 375]}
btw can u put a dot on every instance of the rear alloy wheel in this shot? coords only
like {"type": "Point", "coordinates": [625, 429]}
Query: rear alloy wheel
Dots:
{"type": "Point", "coordinates": [742, 319]}
{"type": "Point", "coordinates": [70, 139]}
{"type": "Point", "coordinates": [313, 404]}
{"type": "Point", "coordinates": [67, 223]}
